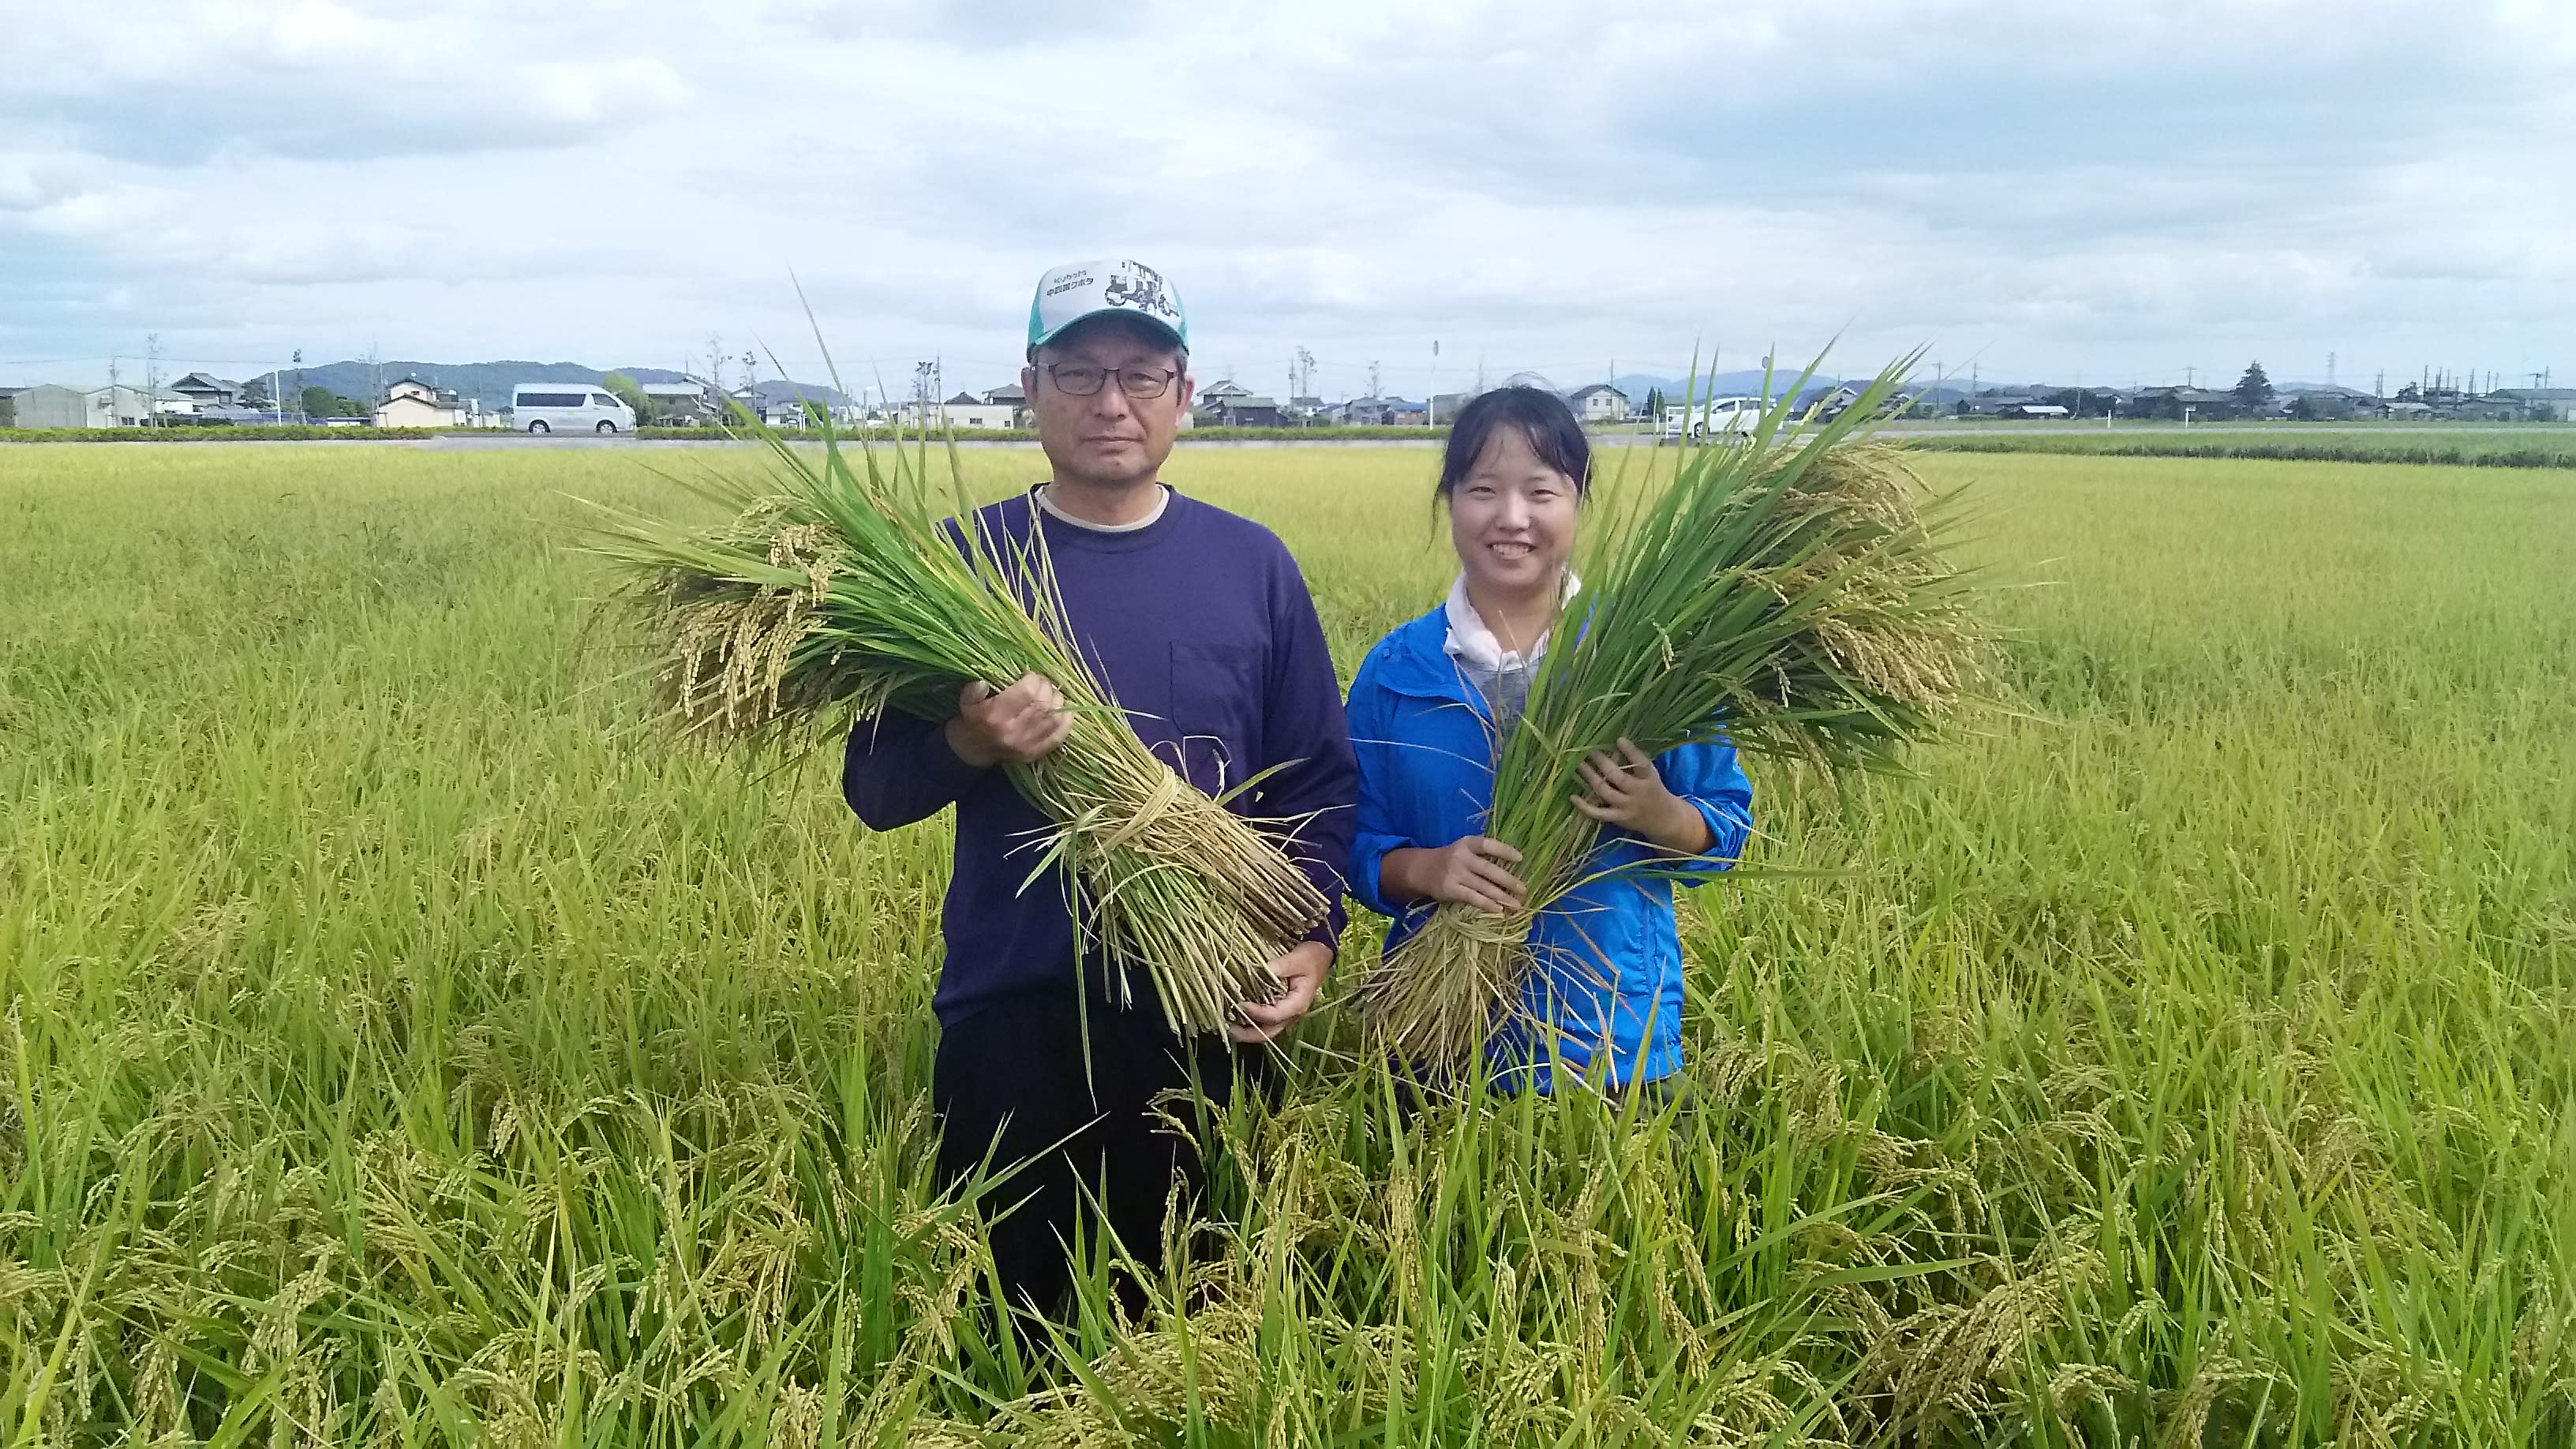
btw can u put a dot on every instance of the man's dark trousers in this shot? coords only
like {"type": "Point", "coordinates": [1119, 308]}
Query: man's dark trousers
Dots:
{"type": "Point", "coordinates": [1010, 1084]}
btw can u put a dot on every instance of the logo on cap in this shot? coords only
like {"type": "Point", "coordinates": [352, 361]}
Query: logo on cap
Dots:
{"type": "Point", "coordinates": [1141, 287]}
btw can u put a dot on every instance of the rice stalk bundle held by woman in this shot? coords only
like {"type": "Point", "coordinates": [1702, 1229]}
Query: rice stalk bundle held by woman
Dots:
{"type": "Point", "coordinates": [835, 593]}
{"type": "Point", "coordinates": [1785, 594]}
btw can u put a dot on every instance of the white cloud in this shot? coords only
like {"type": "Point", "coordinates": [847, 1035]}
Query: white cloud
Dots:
{"type": "Point", "coordinates": [2059, 189]}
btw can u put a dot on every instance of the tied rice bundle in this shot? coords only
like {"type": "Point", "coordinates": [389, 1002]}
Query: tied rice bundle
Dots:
{"type": "Point", "coordinates": [835, 593]}
{"type": "Point", "coordinates": [1785, 593]}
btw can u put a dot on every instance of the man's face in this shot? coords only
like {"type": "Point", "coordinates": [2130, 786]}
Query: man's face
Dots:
{"type": "Point", "coordinates": [1108, 438]}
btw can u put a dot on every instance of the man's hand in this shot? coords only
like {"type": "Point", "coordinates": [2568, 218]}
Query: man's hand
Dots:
{"type": "Point", "coordinates": [1302, 972]}
{"type": "Point", "coordinates": [1627, 792]}
{"type": "Point", "coordinates": [1471, 871]}
{"type": "Point", "coordinates": [1017, 726]}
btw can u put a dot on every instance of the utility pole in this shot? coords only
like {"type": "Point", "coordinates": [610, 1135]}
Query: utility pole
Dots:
{"type": "Point", "coordinates": [112, 386]}
{"type": "Point", "coordinates": [2187, 372]}
{"type": "Point", "coordinates": [2330, 362]}
{"type": "Point", "coordinates": [715, 367]}
{"type": "Point", "coordinates": [1431, 398]}
{"type": "Point", "coordinates": [1375, 392]}
{"type": "Point", "coordinates": [151, 379]}
{"type": "Point", "coordinates": [376, 363]}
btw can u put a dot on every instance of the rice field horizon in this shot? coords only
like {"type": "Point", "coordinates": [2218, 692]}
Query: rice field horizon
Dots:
{"type": "Point", "coordinates": [404, 1044]}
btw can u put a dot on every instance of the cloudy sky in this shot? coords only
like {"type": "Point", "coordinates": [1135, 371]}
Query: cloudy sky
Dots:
{"type": "Point", "coordinates": [2083, 191]}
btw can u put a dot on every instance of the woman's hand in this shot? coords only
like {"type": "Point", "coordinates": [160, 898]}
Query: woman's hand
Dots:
{"type": "Point", "coordinates": [1471, 871]}
{"type": "Point", "coordinates": [1628, 792]}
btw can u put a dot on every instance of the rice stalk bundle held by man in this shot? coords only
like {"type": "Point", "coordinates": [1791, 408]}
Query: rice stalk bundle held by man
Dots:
{"type": "Point", "coordinates": [835, 593]}
{"type": "Point", "coordinates": [1785, 593]}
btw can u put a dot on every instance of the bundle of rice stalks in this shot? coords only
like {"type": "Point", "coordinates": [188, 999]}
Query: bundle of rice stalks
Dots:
{"type": "Point", "coordinates": [1787, 593]}
{"type": "Point", "coordinates": [835, 593]}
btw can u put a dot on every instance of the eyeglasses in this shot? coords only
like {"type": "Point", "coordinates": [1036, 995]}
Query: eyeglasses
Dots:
{"type": "Point", "coordinates": [1074, 379]}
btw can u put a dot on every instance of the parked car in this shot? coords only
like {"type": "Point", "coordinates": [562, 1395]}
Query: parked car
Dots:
{"type": "Point", "coordinates": [1724, 418]}
{"type": "Point", "coordinates": [546, 407]}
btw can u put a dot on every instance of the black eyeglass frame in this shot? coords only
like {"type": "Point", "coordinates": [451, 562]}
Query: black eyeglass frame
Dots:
{"type": "Point", "coordinates": [1160, 379]}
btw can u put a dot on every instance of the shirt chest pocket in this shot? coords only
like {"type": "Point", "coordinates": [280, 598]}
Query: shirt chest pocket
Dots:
{"type": "Point", "coordinates": [1216, 712]}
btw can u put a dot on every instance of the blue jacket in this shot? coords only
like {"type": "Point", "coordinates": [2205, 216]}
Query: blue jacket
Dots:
{"type": "Point", "coordinates": [1609, 952]}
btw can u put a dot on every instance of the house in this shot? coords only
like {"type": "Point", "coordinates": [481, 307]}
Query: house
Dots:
{"type": "Point", "coordinates": [1009, 395]}
{"type": "Point", "coordinates": [1250, 411]}
{"type": "Point", "coordinates": [2198, 404]}
{"type": "Point", "coordinates": [1447, 405]}
{"type": "Point", "coordinates": [1381, 412]}
{"type": "Point", "coordinates": [1306, 409]}
{"type": "Point", "coordinates": [49, 405]}
{"type": "Point", "coordinates": [240, 417]}
{"type": "Point", "coordinates": [967, 412]}
{"type": "Point", "coordinates": [2000, 404]}
{"type": "Point", "coordinates": [1600, 403]}
{"type": "Point", "coordinates": [412, 403]}
{"type": "Point", "coordinates": [204, 392]}
{"type": "Point", "coordinates": [1214, 396]}
{"type": "Point", "coordinates": [9, 406]}
{"type": "Point", "coordinates": [2542, 404]}
{"type": "Point", "coordinates": [2493, 408]}
{"type": "Point", "coordinates": [118, 406]}
{"type": "Point", "coordinates": [680, 404]}
{"type": "Point", "coordinates": [2329, 404]}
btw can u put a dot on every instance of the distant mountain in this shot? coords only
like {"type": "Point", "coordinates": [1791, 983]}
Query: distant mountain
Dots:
{"type": "Point", "coordinates": [489, 383]}
{"type": "Point", "coordinates": [779, 390]}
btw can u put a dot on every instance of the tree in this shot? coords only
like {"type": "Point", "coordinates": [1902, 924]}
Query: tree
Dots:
{"type": "Point", "coordinates": [628, 393]}
{"type": "Point", "coordinates": [1655, 402]}
{"type": "Point", "coordinates": [319, 402]}
{"type": "Point", "coordinates": [2409, 393]}
{"type": "Point", "coordinates": [2253, 390]}
{"type": "Point", "coordinates": [254, 394]}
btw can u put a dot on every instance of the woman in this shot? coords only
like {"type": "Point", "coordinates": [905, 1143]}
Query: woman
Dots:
{"type": "Point", "coordinates": [1429, 711]}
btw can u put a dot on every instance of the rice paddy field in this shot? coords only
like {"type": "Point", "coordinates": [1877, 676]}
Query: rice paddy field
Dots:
{"type": "Point", "coordinates": [398, 1045]}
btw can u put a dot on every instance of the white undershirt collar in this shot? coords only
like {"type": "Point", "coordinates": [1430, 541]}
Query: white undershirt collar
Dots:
{"type": "Point", "coordinates": [1162, 500]}
{"type": "Point", "coordinates": [1473, 643]}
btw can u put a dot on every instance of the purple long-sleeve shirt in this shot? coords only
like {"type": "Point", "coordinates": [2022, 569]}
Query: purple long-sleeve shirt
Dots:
{"type": "Point", "coordinates": [1201, 627]}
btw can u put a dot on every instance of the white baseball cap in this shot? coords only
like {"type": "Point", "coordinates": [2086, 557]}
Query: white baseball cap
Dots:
{"type": "Point", "coordinates": [1069, 293]}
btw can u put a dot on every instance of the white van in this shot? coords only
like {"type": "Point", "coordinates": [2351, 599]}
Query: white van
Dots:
{"type": "Point", "coordinates": [574, 407]}
{"type": "Point", "coordinates": [1727, 418]}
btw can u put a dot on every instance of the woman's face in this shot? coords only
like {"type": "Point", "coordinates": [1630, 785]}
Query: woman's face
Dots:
{"type": "Point", "coordinates": [1512, 518]}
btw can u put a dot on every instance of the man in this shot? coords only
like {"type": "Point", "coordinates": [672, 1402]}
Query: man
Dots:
{"type": "Point", "coordinates": [1200, 626]}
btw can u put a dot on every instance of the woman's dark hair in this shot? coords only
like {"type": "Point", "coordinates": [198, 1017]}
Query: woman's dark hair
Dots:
{"type": "Point", "coordinates": [1538, 414]}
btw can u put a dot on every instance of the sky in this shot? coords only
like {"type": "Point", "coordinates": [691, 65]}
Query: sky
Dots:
{"type": "Point", "coordinates": [2075, 191]}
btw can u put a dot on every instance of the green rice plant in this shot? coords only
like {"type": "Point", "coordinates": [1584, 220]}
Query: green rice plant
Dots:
{"type": "Point", "coordinates": [1785, 593]}
{"type": "Point", "coordinates": [836, 593]}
